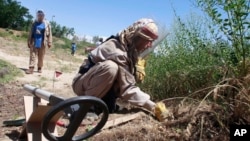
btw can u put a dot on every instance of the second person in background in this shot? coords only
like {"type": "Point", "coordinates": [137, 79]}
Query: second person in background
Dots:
{"type": "Point", "coordinates": [40, 37]}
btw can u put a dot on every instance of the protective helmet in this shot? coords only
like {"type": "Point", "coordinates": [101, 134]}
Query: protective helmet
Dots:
{"type": "Point", "coordinates": [144, 27]}
{"type": "Point", "coordinates": [148, 29]}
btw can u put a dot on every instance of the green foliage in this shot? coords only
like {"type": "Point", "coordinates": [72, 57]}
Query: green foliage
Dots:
{"type": "Point", "coordinates": [13, 15]}
{"type": "Point", "coordinates": [8, 72]}
{"type": "Point", "coordinates": [7, 33]}
{"type": "Point", "coordinates": [232, 19]}
{"type": "Point", "coordinates": [201, 52]}
{"type": "Point", "coordinates": [61, 31]}
{"type": "Point", "coordinates": [187, 61]}
{"type": "Point", "coordinates": [65, 45]}
{"type": "Point", "coordinates": [182, 72]}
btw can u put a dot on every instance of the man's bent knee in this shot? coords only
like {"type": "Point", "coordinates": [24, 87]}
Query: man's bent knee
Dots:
{"type": "Point", "coordinates": [111, 67]}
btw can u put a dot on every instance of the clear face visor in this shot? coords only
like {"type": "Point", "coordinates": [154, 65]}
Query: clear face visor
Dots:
{"type": "Point", "coordinates": [162, 34]}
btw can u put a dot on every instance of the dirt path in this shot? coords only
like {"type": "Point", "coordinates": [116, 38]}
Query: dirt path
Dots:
{"type": "Point", "coordinates": [45, 79]}
{"type": "Point", "coordinates": [17, 54]}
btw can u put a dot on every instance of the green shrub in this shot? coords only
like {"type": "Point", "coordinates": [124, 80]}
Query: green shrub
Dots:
{"type": "Point", "coordinates": [8, 72]}
{"type": "Point", "coordinates": [179, 75]}
{"type": "Point", "coordinates": [231, 18]}
{"type": "Point", "coordinates": [189, 60]}
{"type": "Point", "coordinates": [11, 32]}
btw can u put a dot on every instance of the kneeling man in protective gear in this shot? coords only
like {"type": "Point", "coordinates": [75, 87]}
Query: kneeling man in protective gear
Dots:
{"type": "Point", "coordinates": [113, 68]}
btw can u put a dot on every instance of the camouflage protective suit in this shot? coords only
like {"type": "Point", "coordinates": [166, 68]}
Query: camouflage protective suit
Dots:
{"type": "Point", "coordinates": [113, 68]}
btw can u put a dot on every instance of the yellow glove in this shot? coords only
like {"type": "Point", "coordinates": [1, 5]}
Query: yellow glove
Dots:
{"type": "Point", "coordinates": [140, 70]}
{"type": "Point", "coordinates": [161, 112]}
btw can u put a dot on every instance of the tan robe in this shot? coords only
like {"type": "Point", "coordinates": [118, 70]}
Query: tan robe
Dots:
{"type": "Point", "coordinates": [111, 69]}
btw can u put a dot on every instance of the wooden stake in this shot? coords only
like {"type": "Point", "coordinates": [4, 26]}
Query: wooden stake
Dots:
{"type": "Point", "coordinates": [120, 120]}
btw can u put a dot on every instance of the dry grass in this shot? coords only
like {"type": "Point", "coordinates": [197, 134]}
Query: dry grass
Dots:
{"type": "Point", "coordinates": [209, 118]}
{"type": "Point", "coordinates": [195, 118]}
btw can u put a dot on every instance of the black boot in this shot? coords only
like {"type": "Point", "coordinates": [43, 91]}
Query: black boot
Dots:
{"type": "Point", "coordinates": [110, 100]}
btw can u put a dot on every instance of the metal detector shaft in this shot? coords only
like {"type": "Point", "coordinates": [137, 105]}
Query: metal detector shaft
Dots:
{"type": "Point", "coordinates": [48, 96]}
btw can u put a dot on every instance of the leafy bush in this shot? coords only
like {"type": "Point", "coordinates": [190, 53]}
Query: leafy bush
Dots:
{"type": "Point", "coordinates": [13, 15]}
{"type": "Point", "coordinates": [233, 20]}
{"type": "Point", "coordinates": [181, 72]}
{"type": "Point", "coordinates": [201, 52]}
{"type": "Point", "coordinates": [61, 31]}
{"type": "Point", "coordinates": [187, 61]}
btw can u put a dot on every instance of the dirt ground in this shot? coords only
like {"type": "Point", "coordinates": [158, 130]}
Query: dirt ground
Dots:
{"type": "Point", "coordinates": [18, 55]}
{"type": "Point", "coordinates": [142, 128]}
{"type": "Point", "coordinates": [11, 95]}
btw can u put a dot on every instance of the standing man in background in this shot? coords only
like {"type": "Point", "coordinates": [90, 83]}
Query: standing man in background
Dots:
{"type": "Point", "coordinates": [40, 37]}
{"type": "Point", "coordinates": [73, 48]}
